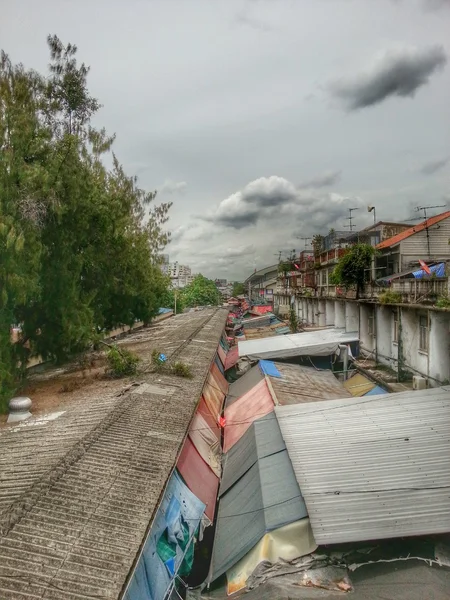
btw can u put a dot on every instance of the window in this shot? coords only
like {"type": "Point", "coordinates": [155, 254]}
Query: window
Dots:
{"type": "Point", "coordinates": [423, 333]}
{"type": "Point", "coordinates": [371, 325]}
{"type": "Point", "coordinates": [395, 336]}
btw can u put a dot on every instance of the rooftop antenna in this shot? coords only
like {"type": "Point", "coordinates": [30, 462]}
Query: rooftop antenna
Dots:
{"type": "Point", "coordinates": [350, 218]}
{"type": "Point", "coordinates": [425, 208]}
{"type": "Point", "coordinates": [305, 239]}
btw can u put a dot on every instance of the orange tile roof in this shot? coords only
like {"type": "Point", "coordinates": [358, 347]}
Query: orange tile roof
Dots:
{"type": "Point", "coordinates": [396, 239]}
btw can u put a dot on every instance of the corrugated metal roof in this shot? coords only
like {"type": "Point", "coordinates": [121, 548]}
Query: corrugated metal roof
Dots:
{"type": "Point", "coordinates": [79, 493]}
{"type": "Point", "coordinates": [262, 439]}
{"type": "Point", "coordinates": [265, 498]}
{"type": "Point", "coordinates": [375, 467]}
{"type": "Point", "coordinates": [315, 343]}
{"type": "Point", "coordinates": [243, 385]}
{"type": "Point", "coordinates": [415, 229]}
{"type": "Point", "coordinates": [299, 384]}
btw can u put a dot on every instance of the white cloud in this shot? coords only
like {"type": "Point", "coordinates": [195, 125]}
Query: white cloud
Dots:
{"type": "Point", "coordinates": [172, 187]}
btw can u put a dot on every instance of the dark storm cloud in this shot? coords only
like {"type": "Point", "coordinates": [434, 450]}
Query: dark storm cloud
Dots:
{"type": "Point", "coordinates": [238, 220]}
{"type": "Point", "coordinates": [400, 72]}
{"type": "Point", "coordinates": [275, 200]}
{"type": "Point", "coordinates": [435, 165]}
{"type": "Point", "coordinates": [321, 181]}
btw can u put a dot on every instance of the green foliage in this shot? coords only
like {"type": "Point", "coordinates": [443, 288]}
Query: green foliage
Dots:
{"type": "Point", "coordinates": [353, 267]}
{"type": "Point", "coordinates": [390, 297]}
{"type": "Point", "coordinates": [121, 362]}
{"type": "Point", "coordinates": [78, 242]}
{"type": "Point", "coordinates": [238, 289]}
{"type": "Point", "coordinates": [181, 369]}
{"type": "Point", "coordinates": [293, 321]}
{"type": "Point", "coordinates": [443, 302]}
{"type": "Point", "coordinates": [172, 298]}
{"type": "Point", "coordinates": [317, 244]}
{"type": "Point", "coordinates": [201, 292]}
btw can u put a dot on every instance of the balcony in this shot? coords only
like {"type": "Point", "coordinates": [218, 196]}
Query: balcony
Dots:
{"type": "Point", "coordinates": [332, 256]}
{"type": "Point", "coordinates": [412, 291]}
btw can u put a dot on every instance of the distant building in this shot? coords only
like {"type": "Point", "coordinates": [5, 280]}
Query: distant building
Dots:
{"type": "Point", "coordinates": [261, 284]}
{"type": "Point", "coordinates": [220, 282]}
{"type": "Point", "coordinates": [180, 275]}
{"type": "Point", "coordinates": [165, 263]}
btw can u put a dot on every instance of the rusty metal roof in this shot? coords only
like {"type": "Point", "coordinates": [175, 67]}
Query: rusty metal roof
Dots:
{"type": "Point", "coordinates": [77, 494]}
{"type": "Point", "coordinates": [299, 384]}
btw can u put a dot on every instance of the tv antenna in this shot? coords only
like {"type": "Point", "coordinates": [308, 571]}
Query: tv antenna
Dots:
{"type": "Point", "coordinates": [425, 208]}
{"type": "Point", "coordinates": [350, 218]}
{"type": "Point", "coordinates": [305, 239]}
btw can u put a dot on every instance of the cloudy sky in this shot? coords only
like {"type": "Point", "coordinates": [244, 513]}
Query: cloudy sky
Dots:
{"type": "Point", "coordinates": [262, 120]}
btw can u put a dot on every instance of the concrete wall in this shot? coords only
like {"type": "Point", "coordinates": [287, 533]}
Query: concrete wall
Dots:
{"type": "Point", "coordinates": [367, 340]}
{"type": "Point", "coordinates": [381, 345]}
{"type": "Point", "coordinates": [414, 359]}
{"type": "Point", "coordinates": [351, 316]}
{"type": "Point", "coordinates": [384, 318]}
{"type": "Point", "coordinates": [439, 352]}
{"type": "Point", "coordinates": [329, 312]}
{"type": "Point", "coordinates": [339, 314]}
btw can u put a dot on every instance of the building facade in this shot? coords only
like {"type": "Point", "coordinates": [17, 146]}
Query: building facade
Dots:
{"type": "Point", "coordinates": [401, 316]}
{"type": "Point", "coordinates": [261, 285]}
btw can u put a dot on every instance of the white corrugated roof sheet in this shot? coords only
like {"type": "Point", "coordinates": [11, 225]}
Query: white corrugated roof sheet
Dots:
{"type": "Point", "coordinates": [313, 343]}
{"type": "Point", "coordinates": [372, 468]}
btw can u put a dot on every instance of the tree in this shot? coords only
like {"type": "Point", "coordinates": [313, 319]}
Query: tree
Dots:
{"type": "Point", "coordinates": [238, 289]}
{"type": "Point", "coordinates": [352, 268]}
{"type": "Point", "coordinates": [79, 243]}
{"type": "Point", "coordinates": [201, 292]}
{"type": "Point", "coordinates": [317, 244]}
{"type": "Point", "coordinates": [293, 321]}
{"type": "Point", "coordinates": [174, 299]}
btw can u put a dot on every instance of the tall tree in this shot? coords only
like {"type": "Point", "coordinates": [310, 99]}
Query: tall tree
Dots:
{"type": "Point", "coordinates": [201, 292]}
{"type": "Point", "coordinates": [79, 243]}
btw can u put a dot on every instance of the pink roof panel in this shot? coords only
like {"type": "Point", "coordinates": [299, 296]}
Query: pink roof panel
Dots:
{"type": "Point", "coordinates": [240, 415]}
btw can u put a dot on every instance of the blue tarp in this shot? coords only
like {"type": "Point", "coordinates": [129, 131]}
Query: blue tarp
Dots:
{"type": "Point", "coordinates": [268, 367]}
{"type": "Point", "coordinates": [437, 270]}
{"type": "Point", "coordinates": [377, 390]}
{"type": "Point", "coordinates": [164, 311]}
{"type": "Point", "coordinates": [175, 523]}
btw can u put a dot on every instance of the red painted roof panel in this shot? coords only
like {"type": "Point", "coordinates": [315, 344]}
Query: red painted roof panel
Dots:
{"type": "Point", "coordinates": [198, 477]}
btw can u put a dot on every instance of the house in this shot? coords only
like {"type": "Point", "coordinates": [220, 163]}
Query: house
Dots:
{"type": "Point", "coordinates": [428, 241]}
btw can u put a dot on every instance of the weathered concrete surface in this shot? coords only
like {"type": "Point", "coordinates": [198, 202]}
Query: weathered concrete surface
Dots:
{"type": "Point", "coordinates": [77, 494]}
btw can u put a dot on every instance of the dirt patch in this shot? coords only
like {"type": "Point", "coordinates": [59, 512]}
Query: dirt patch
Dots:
{"type": "Point", "coordinates": [55, 389]}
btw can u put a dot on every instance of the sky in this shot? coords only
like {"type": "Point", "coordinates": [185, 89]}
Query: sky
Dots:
{"type": "Point", "coordinates": [263, 121]}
